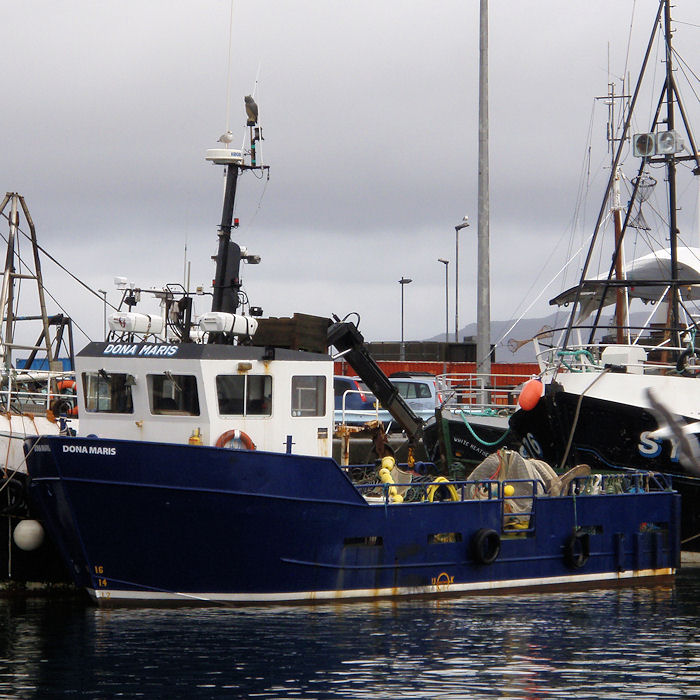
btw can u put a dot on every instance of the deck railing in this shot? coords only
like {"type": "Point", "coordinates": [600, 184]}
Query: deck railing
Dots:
{"type": "Point", "coordinates": [644, 350]}
{"type": "Point", "coordinates": [525, 490]}
{"type": "Point", "coordinates": [483, 393]}
{"type": "Point", "coordinates": [32, 392]}
{"type": "Point", "coordinates": [372, 408]}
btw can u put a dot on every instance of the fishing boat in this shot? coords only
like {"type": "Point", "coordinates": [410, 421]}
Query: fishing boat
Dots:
{"type": "Point", "coordinates": [202, 473]}
{"type": "Point", "coordinates": [596, 379]}
{"type": "Point", "coordinates": [37, 397]}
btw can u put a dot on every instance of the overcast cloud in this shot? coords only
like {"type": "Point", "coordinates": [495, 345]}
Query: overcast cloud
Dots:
{"type": "Point", "coordinates": [369, 111]}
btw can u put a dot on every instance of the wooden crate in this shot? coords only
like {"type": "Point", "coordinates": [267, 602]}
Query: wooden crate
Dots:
{"type": "Point", "coordinates": [301, 332]}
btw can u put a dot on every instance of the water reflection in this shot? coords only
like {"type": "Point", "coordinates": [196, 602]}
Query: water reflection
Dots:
{"type": "Point", "coordinates": [624, 643]}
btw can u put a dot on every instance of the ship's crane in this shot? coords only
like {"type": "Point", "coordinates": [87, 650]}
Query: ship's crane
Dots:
{"type": "Point", "coordinates": [349, 342]}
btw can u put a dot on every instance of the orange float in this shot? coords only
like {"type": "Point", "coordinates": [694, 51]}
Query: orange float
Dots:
{"type": "Point", "coordinates": [530, 394]}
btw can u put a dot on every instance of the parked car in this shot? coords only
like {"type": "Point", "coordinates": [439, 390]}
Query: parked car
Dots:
{"type": "Point", "coordinates": [419, 392]}
{"type": "Point", "coordinates": [360, 397]}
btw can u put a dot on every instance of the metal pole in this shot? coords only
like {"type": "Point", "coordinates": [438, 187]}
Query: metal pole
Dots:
{"type": "Point", "coordinates": [402, 350]}
{"type": "Point", "coordinates": [103, 292]}
{"type": "Point", "coordinates": [456, 284]}
{"type": "Point", "coordinates": [458, 228]}
{"type": "Point", "coordinates": [446, 263]}
{"type": "Point", "coordinates": [671, 171]}
{"type": "Point", "coordinates": [39, 282]}
{"type": "Point", "coordinates": [483, 340]}
{"type": "Point", "coordinates": [6, 302]}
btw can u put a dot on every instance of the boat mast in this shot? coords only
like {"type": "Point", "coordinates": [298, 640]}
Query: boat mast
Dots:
{"type": "Point", "coordinates": [620, 307]}
{"type": "Point", "coordinates": [616, 208]}
{"type": "Point", "coordinates": [7, 297]}
{"type": "Point", "coordinates": [7, 292]}
{"type": "Point", "coordinates": [616, 161]}
{"type": "Point", "coordinates": [227, 281]}
{"type": "Point", "coordinates": [655, 151]}
{"type": "Point", "coordinates": [671, 174]}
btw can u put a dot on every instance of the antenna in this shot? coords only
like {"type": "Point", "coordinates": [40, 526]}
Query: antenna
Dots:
{"type": "Point", "coordinates": [255, 131]}
{"type": "Point", "coordinates": [228, 73]}
{"type": "Point", "coordinates": [227, 282]}
{"type": "Point", "coordinates": [609, 101]}
{"type": "Point", "coordinates": [184, 270]}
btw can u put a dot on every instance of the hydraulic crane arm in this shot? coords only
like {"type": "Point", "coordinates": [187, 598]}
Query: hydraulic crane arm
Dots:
{"type": "Point", "coordinates": [349, 341]}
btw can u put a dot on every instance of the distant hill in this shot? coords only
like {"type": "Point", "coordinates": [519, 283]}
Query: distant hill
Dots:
{"type": "Point", "coordinates": [523, 331]}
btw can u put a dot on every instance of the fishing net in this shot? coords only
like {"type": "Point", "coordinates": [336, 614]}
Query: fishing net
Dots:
{"type": "Point", "coordinates": [644, 184]}
{"type": "Point", "coordinates": [527, 477]}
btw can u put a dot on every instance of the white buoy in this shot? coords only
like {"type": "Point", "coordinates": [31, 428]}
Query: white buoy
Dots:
{"type": "Point", "coordinates": [28, 535]}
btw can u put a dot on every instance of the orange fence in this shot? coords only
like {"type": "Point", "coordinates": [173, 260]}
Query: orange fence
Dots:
{"type": "Point", "coordinates": [497, 368]}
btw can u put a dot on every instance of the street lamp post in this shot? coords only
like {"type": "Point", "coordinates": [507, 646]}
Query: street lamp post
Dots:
{"type": "Point", "coordinates": [103, 292]}
{"type": "Point", "coordinates": [403, 282]}
{"type": "Point", "coordinates": [458, 228]}
{"type": "Point", "coordinates": [446, 263]}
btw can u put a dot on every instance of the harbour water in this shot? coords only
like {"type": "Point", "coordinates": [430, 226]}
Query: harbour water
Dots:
{"type": "Point", "coordinates": [641, 642]}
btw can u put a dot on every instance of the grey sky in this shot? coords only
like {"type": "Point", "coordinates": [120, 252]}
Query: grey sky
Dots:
{"type": "Point", "coordinates": [369, 112]}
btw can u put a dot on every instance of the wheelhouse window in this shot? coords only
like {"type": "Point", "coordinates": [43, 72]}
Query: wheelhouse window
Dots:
{"type": "Point", "coordinates": [173, 394]}
{"type": "Point", "coordinates": [308, 396]}
{"type": "Point", "coordinates": [108, 392]}
{"type": "Point", "coordinates": [244, 394]}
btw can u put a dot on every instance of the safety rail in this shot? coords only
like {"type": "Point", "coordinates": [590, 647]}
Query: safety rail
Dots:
{"type": "Point", "coordinates": [372, 410]}
{"type": "Point", "coordinates": [425, 491]}
{"type": "Point", "coordinates": [619, 483]}
{"type": "Point", "coordinates": [34, 391]}
{"type": "Point", "coordinates": [649, 350]}
{"type": "Point", "coordinates": [481, 393]}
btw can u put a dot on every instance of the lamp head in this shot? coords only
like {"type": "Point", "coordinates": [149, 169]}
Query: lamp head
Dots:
{"type": "Point", "coordinates": [464, 224]}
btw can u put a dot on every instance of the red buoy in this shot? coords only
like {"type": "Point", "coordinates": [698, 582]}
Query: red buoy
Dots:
{"type": "Point", "coordinates": [530, 394]}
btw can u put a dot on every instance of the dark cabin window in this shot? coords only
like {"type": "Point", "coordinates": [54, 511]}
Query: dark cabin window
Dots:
{"type": "Point", "coordinates": [173, 394]}
{"type": "Point", "coordinates": [244, 394]}
{"type": "Point", "coordinates": [108, 392]}
{"type": "Point", "coordinates": [308, 396]}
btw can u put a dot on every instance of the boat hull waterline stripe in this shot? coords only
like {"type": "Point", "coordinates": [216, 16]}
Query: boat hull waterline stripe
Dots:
{"type": "Point", "coordinates": [103, 595]}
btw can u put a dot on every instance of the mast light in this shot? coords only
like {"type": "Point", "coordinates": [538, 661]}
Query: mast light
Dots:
{"type": "Point", "coordinates": [651, 144]}
{"type": "Point", "coordinates": [668, 142]}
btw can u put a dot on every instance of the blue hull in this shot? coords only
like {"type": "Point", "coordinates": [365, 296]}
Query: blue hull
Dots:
{"type": "Point", "coordinates": [146, 521]}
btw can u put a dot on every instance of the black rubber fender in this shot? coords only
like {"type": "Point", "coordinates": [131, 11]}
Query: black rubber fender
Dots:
{"type": "Point", "coordinates": [13, 499]}
{"type": "Point", "coordinates": [485, 546]}
{"type": "Point", "coordinates": [577, 549]}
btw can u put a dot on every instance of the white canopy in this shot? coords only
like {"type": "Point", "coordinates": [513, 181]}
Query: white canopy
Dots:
{"type": "Point", "coordinates": [654, 266]}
